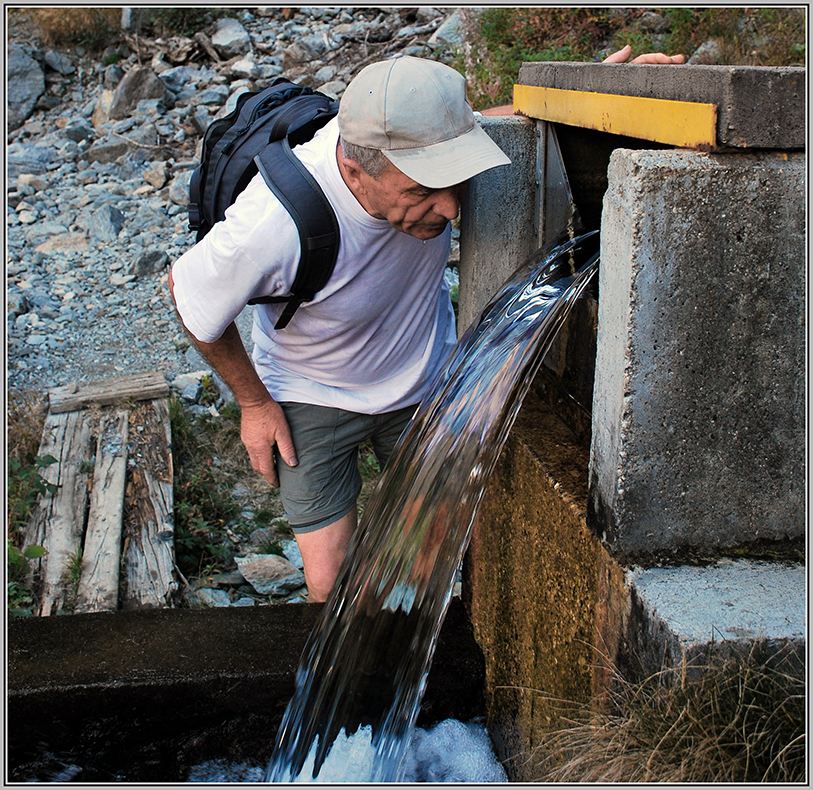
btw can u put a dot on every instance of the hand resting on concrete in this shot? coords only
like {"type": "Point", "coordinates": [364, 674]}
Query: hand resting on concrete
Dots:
{"type": "Point", "coordinates": [622, 56]}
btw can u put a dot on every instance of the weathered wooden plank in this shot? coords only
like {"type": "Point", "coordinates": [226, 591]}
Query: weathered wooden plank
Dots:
{"type": "Point", "coordinates": [139, 386]}
{"type": "Point", "coordinates": [101, 555]}
{"type": "Point", "coordinates": [58, 521]}
{"type": "Point", "coordinates": [149, 523]}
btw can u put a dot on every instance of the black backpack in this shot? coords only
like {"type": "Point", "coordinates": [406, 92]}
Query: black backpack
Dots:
{"type": "Point", "coordinates": [259, 135]}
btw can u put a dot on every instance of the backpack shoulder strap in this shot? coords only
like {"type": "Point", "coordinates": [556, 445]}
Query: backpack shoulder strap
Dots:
{"type": "Point", "coordinates": [315, 220]}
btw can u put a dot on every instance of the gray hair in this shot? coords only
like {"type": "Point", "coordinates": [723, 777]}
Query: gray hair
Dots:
{"type": "Point", "coordinates": [371, 160]}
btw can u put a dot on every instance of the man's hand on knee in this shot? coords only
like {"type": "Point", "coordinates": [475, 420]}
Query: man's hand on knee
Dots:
{"type": "Point", "coordinates": [262, 426]}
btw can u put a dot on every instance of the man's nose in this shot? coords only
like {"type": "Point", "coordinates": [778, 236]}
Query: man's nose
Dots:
{"type": "Point", "coordinates": [447, 203]}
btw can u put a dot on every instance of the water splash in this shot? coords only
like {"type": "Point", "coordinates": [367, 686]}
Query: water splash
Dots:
{"type": "Point", "coordinates": [365, 665]}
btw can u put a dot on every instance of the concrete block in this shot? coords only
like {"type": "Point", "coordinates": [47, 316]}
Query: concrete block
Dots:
{"type": "Point", "coordinates": [498, 216]}
{"type": "Point", "coordinates": [699, 399]}
{"type": "Point", "coordinates": [757, 106]}
{"type": "Point", "coordinates": [680, 617]}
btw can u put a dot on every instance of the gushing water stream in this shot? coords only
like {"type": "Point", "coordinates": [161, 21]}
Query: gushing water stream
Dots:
{"type": "Point", "coordinates": [364, 668]}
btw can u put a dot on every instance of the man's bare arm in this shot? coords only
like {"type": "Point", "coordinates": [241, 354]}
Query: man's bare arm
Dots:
{"type": "Point", "coordinates": [263, 423]}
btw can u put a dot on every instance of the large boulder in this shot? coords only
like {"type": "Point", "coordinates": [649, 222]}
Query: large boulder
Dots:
{"type": "Point", "coordinates": [231, 38]}
{"type": "Point", "coordinates": [139, 83]}
{"type": "Point", "coordinates": [25, 83]}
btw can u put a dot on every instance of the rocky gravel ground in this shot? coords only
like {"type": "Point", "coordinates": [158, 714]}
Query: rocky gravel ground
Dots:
{"type": "Point", "coordinates": [98, 164]}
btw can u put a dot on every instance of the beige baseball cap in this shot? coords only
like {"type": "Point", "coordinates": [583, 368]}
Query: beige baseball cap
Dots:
{"type": "Point", "coordinates": [416, 113]}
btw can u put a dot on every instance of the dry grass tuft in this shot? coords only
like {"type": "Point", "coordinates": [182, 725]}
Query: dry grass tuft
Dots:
{"type": "Point", "coordinates": [91, 27]}
{"type": "Point", "coordinates": [739, 718]}
{"type": "Point", "coordinates": [25, 419]}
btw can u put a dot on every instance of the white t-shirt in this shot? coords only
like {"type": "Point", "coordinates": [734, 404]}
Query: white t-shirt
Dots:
{"type": "Point", "coordinates": [373, 337]}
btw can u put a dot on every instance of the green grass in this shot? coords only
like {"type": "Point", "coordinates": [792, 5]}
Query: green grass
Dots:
{"type": "Point", "coordinates": [501, 38]}
{"type": "Point", "coordinates": [24, 487]}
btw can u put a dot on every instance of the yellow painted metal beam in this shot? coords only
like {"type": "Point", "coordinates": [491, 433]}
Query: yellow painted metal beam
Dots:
{"type": "Point", "coordinates": [678, 123]}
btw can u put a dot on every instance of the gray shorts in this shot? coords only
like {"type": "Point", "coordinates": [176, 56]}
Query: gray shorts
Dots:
{"type": "Point", "coordinates": [324, 486]}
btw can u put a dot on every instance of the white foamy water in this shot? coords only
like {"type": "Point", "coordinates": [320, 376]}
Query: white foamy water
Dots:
{"type": "Point", "coordinates": [451, 751]}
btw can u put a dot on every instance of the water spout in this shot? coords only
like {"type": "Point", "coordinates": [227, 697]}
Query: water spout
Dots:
{"type": "Point", "coordinates": [365, 665]}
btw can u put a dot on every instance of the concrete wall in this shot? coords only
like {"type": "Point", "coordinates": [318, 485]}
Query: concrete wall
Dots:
{"type": "Point", "coordinates": [699, 402]}
{"type": "Point", "coordinates": [498, 217]}
{"type": "Point", "coordinates": [546, 600]}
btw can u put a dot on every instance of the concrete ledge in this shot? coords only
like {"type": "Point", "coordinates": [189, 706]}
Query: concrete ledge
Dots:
{"type": "Point", "coordinates": [142, 696]}
{"type": "Point", "coordinates": [679, 614]}
{"type": "Point", "coordinates": [757, 106]}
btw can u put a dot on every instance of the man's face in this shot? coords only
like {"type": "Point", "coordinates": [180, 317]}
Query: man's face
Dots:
{"type": "Point", "coordinates": [409, 207]}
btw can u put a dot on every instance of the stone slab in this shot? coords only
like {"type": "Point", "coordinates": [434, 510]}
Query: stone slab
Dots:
{"type": "Point", "coordinates": [699, 399]}
{"type": "Point", "coordinates": [727, 600]}
{"type": "Point", "coordinates": [757, 106]}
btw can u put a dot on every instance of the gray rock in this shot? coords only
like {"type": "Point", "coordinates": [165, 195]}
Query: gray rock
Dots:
{"type": "Point", "coordinates": [31, 183]}
{"type": "Point", "coordinates": [113, 75]}
{"type": "Point", "coordinates": [427, 14]}
{"type": "Point", "coordinates": [653, 22]}
{"type": "Point", "coordinates": [139, 83]}
{"type": "Point", "coordinates": [290, 548]}
{"type": "Point", "coordinates": [270, 574]}
{"type": "Point", "coordinates": [306, 49]}
{"type": "Point", "coordinates": [181, 382]}
{"type": "Point", "coordinates": [231, 38]}
{"type": "Point", "coordinates": [245, 67]}
{"type": "Point", "coordinates": [179, 188]}
{"type": "Point", "coordinates": [192, 392]}
{"type": "Point", "coordinates": [106, 223]}
{"type": "Point", "coordinates": [40, 232]}
{"type": "Point", "coordinates": [450, 32]}
{"type": "Point", "coordinates": [334, 89]}
{"type": "Point", "coordinates": [16, 304]}
{"type": "Point", "coordinates": [216, 94]}
{"type": "Point", "coordinates": [325, 74]}
{"type": "Point", "coordinates": [78, 130]}
{"type": "Point", "coordinates": [26, 158]}
{"type": "Point", "coordinates": [157, 174]}
{"type": "Point", "coordinates": [707, 54]}
{"type": "Point", "coordinates": [149, 109]}
{"type": "Point", "coordinates": [59, 62]}
{"type": "Point", "coordinates": [209, 597]}
{"type": "Point", "coordinates": [25, 83]}
{"type": "Point", "coordinates": [200, 119]}
{"type": "Point", "coordinates": [178, 77]}
{"type": "Point", "coordinates": [151, 262]}
{"type": "Point", "coordinates": [107, 150]}
{"type": "Point", "coordinates": [262, 535]}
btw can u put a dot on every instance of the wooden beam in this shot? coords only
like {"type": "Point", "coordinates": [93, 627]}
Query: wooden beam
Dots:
{"type": "Point", "coordinates": [58, 521]}
{"type": "Point", "coordinates": [101, 556]}
{"type": "Point", "coordinates": [678, 123]}
{"type": "Point", "coordinates": [149, 553]}
{"type": "Point", "coordinates": [137, 387]}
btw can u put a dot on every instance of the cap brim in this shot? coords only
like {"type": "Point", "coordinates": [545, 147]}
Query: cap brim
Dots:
{"type": "Point", "coordinates": [451, 161]}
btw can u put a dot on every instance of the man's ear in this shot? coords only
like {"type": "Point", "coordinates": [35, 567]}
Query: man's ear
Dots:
{"type": "Point", "coordinates": [353, 174]}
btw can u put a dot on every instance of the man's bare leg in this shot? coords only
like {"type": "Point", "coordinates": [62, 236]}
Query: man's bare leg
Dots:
{"type": "Point", "coordinates": [323, 551]}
